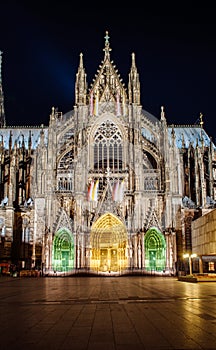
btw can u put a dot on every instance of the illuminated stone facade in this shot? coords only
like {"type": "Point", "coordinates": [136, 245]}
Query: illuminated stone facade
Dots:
{"type": "Point", "coordinates": [106, 188]}
{"type": "Point", "coordinates": [204, 241]}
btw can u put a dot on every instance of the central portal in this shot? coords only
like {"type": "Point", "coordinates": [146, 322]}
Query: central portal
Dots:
{"type": "Point", "coordinates": [108, 245]}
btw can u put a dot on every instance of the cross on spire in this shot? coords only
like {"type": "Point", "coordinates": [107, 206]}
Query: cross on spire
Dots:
{"type": "Point", "coordinates": [106, 39]}
{"type": "Point", "coordinates": [107, 47]}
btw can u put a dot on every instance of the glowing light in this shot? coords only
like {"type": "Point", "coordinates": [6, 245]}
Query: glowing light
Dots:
{"type": "Point", "coordinates": [190, 257]}
{"type": "Point", "coordinates": [109, 245]}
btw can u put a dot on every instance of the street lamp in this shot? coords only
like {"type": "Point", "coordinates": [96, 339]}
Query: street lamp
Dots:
{"type": "Point", "coordinates": [190, 257]}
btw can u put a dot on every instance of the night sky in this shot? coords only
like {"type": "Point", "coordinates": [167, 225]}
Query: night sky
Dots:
{"type": "Point", "coordinates": [174, 46]}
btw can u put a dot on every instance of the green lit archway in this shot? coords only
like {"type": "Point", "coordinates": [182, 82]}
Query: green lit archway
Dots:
{"type": "Point", "coordinates": [155, 250]}
{"type": "Point", "coordinates": [108, 245]}
{"type": "Point", "coordinates": [63, 251]}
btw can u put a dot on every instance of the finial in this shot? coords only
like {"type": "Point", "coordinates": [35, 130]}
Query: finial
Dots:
{"type": "Point", "coordinates": [162, 113]}
{"type": "Point", "coordinates": [107, 47]}
{"type": "Point", "coordinates": [106, 39]}
{"type": "Point", "coordinates": [133, 59]}
{"type": "Point", "coordinates": [81, 60]}
{"type": "Point", "coordinates": [201, 120]}
{"type": "Point", "coordinates": [173, 131]}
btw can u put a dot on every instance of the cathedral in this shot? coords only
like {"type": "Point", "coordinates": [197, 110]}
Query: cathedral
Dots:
{"type": "Point", "coordinates": [105, 189]}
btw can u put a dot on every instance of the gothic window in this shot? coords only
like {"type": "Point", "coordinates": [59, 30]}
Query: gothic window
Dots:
{"type": "Point", "coordinates": [65, 183]}
{"type": "Point", "coordinates": [2, 227]}
{"type": "Point", "coordinates": [150, 183]}
{"type": "Point", "coordinates": [65, 171]}
{"type": "Point", "coordinates": [206, 173]}
{"type": "Point", "coordinates": [3, 231]}
{"type": "Point", "coordinates": [27, 235]}
{"type": "Point", "coordinates": [66, 141]}
{"type": "Point", "coordinates": [66, 161]}
{"type": "Point", "coordinates": [25, 230]}
{"type": "Point", "coordinates": [192, 177]}
{"type": "Point", "coordinates": [148, 161]}
{"type": "Point", "coordinates": [108, 147]}
{"type": "Point", "coordinates": [151, 172]}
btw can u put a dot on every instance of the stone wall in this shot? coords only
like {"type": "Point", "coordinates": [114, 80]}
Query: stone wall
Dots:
{"type": "Point", "coordinates": [204, 234]}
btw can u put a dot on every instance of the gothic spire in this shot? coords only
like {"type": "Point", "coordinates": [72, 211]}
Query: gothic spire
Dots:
{"type": "Point", "coordinates": [81, 84]}
{"type": "Point", "coordinates": [2, 112]}
{"type": "Point", "coordinates": [134, 83]}
{"type": "Point", "coordinates": [107, 85]}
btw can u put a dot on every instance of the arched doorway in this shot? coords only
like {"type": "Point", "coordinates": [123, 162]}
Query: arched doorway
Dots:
{"type": "Point", "coordinates": [63, 251]}
{"type": "Point", "coordinates": [155, 250]}
{"type": "Point", "coordinates": [108, 245]}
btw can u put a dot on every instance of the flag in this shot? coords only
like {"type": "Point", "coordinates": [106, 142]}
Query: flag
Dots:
{"type": "Point", "coordinates": [118, 191]}
{"type": "Point", "coordinates": [121, 191]}
{"type": "Point", "coordinates": [95, 191]}
{"type": "Point", "coordinates": [90, 190]}
{"type": "Point", "coordinates": [115, 191]}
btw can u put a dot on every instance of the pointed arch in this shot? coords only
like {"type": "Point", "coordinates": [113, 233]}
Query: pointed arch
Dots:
{"type": "Point", "coordinates": [63, 251]}
{"type": "Point", "coordinates": [155, 250]}
{"type": "Point", "coordinates": [108, 151]}
{"type": "Point", "coordinates": [108, 244]}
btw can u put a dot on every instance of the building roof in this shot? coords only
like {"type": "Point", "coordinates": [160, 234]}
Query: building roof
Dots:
{"type": "Point", "coordinates": [20, 134]}
{"type": "Point", "coordinates": [187, 135]}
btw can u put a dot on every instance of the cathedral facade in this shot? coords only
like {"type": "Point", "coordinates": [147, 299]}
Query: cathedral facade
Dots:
{"type": "Point", "coordinates": [106, 188]}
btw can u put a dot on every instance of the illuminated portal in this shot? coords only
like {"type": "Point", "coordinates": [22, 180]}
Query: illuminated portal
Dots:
{"type": "Point", "coordinates": [63, 251]}
{"type": "Point", "coordinates": [109, 245]}
{"type": "Point", "coordinates": [155, 250]}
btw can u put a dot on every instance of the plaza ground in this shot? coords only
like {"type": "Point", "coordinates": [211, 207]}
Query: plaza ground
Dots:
{"type": "Point", "coordinates": [107, 313]}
